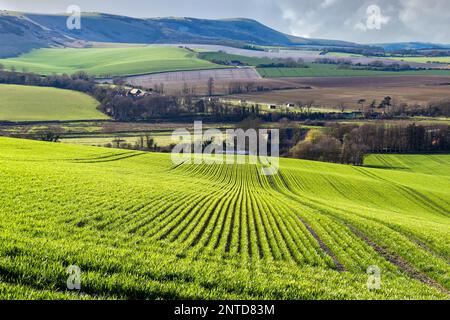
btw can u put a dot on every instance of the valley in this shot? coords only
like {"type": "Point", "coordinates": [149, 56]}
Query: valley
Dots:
{"type": "Point", "coordinates": [356, 184]}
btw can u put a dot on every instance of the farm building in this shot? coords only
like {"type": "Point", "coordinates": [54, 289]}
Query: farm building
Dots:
{"type": "Point", "coordinates": [272, 107]}
{"type": "Point", "coordinates": [136, 93]}
{"type": "Point", "coordinates": [290, 105]}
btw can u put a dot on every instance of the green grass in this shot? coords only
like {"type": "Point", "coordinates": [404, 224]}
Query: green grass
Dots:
{"type": "Point", "coordinates": [328, 70]}
{"type": "Point", "coordinates": [108, 61]}
{"type": "Point", "coordinates": [28, 103]}
{"type": "Point", "coordinates": [424, 59]}
{"type": "Point", "coordinates": [141, 228]}
{"type": "Point", "coordinates": [428, 164]}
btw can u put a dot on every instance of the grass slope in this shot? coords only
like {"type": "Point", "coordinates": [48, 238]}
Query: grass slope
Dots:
{"type": "Point", "coordinates": [139, 227]}
{"type": "Point", "coordinates": [28, 103]}
{"type": "Point", "coordinates": [429, 164]}
{"type": "Point", "coordinates": [108, 61]}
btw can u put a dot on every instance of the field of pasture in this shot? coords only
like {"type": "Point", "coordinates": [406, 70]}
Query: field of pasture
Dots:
{"type": "Point", "coordinates": [140, 227]}
{"type": "Point", "coordinates": [108, 61]}
{"type": "Point", "coordinates": [28, 103]}
{"type": "Point", "coordinates": [329, 70]}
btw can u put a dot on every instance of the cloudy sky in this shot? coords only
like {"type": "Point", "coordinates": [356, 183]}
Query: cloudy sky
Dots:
{"type": "Point", "coordinates": [364, 21]}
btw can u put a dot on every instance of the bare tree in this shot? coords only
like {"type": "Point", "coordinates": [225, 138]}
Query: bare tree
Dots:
{"type": "Point", "coordinates": [210, 86]}
{"type": "Point", "coordinates": [309, 105]}
{"type": "Point", "coordinates": [361, 103]}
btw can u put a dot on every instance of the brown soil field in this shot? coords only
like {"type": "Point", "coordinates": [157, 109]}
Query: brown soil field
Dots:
{"type": "Point", "coordinates": [174, 81]}
{"type": "Point", "coordinates": [331, 92]}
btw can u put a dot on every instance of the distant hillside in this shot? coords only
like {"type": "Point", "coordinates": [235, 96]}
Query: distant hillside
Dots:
{"type": "Point", "coordinates": [20, 32]}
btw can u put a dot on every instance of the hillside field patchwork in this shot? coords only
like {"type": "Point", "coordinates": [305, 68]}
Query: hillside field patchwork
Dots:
{"type": "Point", "coordinates": [139, 227]}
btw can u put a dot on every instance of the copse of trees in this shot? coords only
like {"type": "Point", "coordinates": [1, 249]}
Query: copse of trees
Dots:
{"type": "Point", "coordinates": [79, 81]}
{"type": "Point", "coordinates": [377, 65]}
{"type": "Point", "coordinates": [349, 144]}
{"type": "Point", "coordinates": [284, 63]}
{"type": "Point", "coordinates": [367, 51]}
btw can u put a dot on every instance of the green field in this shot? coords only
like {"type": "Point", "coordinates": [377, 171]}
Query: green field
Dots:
{"type": "Point", "coordinates": [108, 61]}
{"type": "Point", "coordinates": [28, 103]}
{"type": "Point", "coordinates": [139, 227]}
{"type": "Point", "coordinates": [329, 70]}
{"type": "Point", "coordinates": [424, 59]}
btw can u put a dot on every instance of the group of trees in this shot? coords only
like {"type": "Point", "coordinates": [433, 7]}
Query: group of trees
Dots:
{"type": "Point", "coordinates": [388, 108]}
{"type": "Point", "coordinates": [381, 66]}
{"type": "Point", "coordinates": [434, 109]}
{"type": "Point", "coordinates": [143, 143]}
{"type": "Point", "coordinates": [349, 144]}
{"type": "Point", "coordinates": [343, 63]}
{"type": "Point", "coordinates": [365, 51]}
{"type": "Point", "coordinates": [79, 81]}
{"type": "Point", "coordinates": [284, 63]}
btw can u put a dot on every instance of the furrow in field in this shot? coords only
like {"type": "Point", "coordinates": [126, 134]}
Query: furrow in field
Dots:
{"type": "Point", "coordinates": [399, 262]}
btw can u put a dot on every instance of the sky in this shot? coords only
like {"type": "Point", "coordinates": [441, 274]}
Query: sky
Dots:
{"type": "Point", "coordinates": [363, 21]}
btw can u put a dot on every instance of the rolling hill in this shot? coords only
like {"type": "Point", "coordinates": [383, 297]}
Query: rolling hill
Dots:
{"type": "Point", "coordinates": [28, 103]}
{"type": "Point", "coordinates": [139, 227]}
{"type": "Point", "coordinates": [21, 32]}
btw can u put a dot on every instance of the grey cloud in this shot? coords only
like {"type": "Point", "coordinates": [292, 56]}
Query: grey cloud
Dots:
{"type": "Point", "coordinates": [401, 20]}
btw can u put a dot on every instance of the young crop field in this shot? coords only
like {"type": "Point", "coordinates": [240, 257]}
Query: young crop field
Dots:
{"type": "Point", "coordinates": [28, 103]}
{"type": "Point", "coordinates": [139, 227]}
{"type": "Point", "coordinates": [108, 61]}
{"type": "Point", "coordinates": [329, 70]}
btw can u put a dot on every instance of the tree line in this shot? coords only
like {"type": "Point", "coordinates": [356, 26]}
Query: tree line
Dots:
{"type": "Point", "coordinates": [350, 143]}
